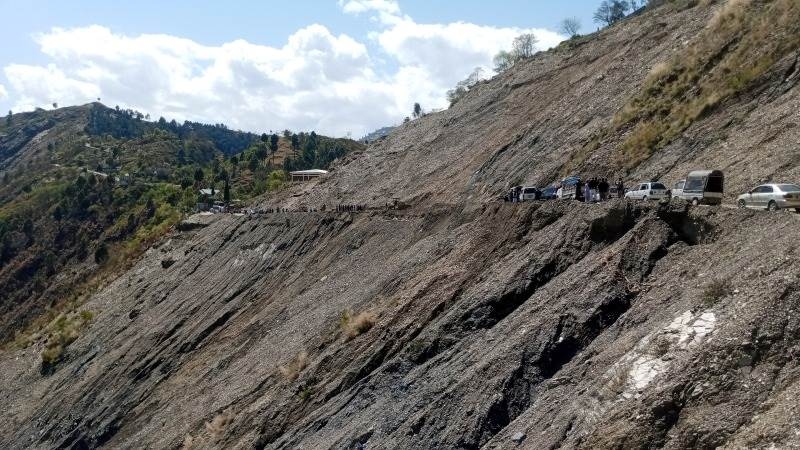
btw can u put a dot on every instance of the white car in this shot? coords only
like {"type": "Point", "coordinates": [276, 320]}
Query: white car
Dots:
{"type": "Point", "coordinates": [772, 197]}
{"type": "Point", "coordinates": [648, 191]}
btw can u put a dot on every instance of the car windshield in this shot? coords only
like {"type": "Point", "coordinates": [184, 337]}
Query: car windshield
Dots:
{"type": "Point", "coordinates": [789, 188]}
{"type": "Point", "coordinates": [694, 184]}
{"type": "Point", "coordinates": [657, 186]}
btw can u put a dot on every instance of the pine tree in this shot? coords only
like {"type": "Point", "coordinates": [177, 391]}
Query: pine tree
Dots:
{"type": "Point", "coordinates": [273, 146]}
{"type": "Point", "coordinates": [227, 192]}
{"type": "Point", "coordinates": [198, 176]}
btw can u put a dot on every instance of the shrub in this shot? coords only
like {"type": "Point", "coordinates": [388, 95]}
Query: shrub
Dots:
{"type": "Point", "coordinates": [358, 325]}
{"type": "Point", "coordinates": [661, 346]}
{"type": "Point", "coordinates": [61, 332]}
{"type": "Point", "coordinates": [216, 428]}
{"type": "Point", "coordinates": [305, 393]}
{"type": "Point", "coordinates": [101, 254]}
{"type": "Point", "coordinates": [715, 291]}
{"type": "Point", "coordinates": [291, 371]}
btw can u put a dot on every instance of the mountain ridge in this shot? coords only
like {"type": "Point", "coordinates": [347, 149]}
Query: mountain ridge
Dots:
{"type": "Point", "coordinates": [456, 320]}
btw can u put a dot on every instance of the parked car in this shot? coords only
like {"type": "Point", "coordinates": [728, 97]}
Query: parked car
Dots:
{"type": "Point", "coordinates": [648, 191]}
{"type": "Point", "coordinates": [569, 188]}
{"type": "Point", "coordinates": [549, 193]}
{"type": "Point", "coordinates": [703, 187]}
{"type": "Point", "coordinates": [772, 197]}
{"type": "Point", "coordinates": [530, 193]}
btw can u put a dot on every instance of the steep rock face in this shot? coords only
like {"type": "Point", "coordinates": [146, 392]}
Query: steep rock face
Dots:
{"type": "Point", "coordinates": [458, 322]}
{"type": "Point", "coordinates": [578, 325]}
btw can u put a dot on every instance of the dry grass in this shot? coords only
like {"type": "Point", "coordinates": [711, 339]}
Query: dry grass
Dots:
{"type": "Point", "coordinates": [732, 11]}
{"type": "Point", "coordinates": [215, 430]}
{"type": "Point", "coordinates": [659, 71]}
{"type": "Point", "coordinates": [614, 381]}
{"type": "Point", "coordinates": [354, 326]}
{"type": "Point", "coordinates": [188, 442]}
{"type": "Point", "coordinates": [60, 333]}
{"type": "Point", "coordinates": [740, 44]}
{"type": "Point", "coordinates": [291, 371]}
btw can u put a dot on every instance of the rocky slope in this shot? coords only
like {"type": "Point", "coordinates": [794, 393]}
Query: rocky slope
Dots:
{"type": "Point", "coordinates": [461, 322]}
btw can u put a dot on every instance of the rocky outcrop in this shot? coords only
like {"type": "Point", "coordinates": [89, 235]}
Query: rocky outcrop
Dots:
{"type": "Point", "coordinates": [576, 325]}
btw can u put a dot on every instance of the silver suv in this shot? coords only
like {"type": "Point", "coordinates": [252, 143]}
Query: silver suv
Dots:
{"type": "Point", "coordinates": [772, 197]}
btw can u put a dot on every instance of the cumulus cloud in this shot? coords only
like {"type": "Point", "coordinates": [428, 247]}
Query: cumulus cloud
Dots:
{"type": "Point", "coordinates": [360, 6]}
{"type": "Point", "coordinates": [317, 80]}
{"type": "Point", "coordinates": [3, 92]}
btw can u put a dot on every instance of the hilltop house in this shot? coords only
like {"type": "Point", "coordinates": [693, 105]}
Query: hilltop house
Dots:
{"type": "Point", "coordinates": [206, 197]}
{"type": "Point", "coordinates": [300, 176]}
{"type": "Point", "coordinates": [209, 192]}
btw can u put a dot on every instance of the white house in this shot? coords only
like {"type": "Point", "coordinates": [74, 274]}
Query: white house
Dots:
{"type": "Point", "coordinates": [299, 176]}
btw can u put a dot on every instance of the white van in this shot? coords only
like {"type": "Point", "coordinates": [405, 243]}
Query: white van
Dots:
{"type": "Point", "coordinates": [530, 193]}
{"type": "Point", "coordinates": [704, 187]}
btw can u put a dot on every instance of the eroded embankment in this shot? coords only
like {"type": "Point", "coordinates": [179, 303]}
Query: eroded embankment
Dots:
{"type": "Point", "coordinates": [449, 327]}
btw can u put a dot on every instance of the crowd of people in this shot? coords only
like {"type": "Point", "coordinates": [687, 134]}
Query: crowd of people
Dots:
{"type": "Point", "coordinates": [598, 190]}
{"type": "Point", "coordinates": [350, 208]}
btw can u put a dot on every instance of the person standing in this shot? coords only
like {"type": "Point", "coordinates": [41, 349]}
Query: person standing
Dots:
{"type": "Point", "coordinates": [603, 187]}
{"type": "Point", "coordinates": [592, 183]}
{"type": "Point", "coordinates": [587, 193]}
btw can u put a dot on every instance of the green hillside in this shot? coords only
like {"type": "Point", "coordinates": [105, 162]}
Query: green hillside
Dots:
{"type": "Point", "coordinates": [85, 190]}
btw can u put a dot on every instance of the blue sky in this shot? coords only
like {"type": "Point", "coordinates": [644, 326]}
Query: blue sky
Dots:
{"type": "Point", "coordinates": [68, 64]}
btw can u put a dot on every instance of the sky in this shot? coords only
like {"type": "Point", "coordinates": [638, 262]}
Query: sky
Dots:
{"type": "Point", "coordinates": [339, 67]}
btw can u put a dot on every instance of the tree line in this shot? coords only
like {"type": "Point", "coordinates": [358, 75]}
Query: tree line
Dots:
{"type": "Point", "coordinates": [523, 47]}
{"type": "Point", "coordinates": [129, 124]}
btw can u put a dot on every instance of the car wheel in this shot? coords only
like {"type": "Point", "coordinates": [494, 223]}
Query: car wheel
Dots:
{"type": "Point", "coordinates": [742, 204]}
{"type": "Point", "coordinates": [695, 202]}
{"type": "Point", "coordinates": [772, 206]}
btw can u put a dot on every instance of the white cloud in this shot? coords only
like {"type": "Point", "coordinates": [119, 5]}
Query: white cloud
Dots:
{"type": "Point", "coordinates": [3, 92]}
{"type": "Point", "coordinates": [452, 49]}
{"type": "Point", "coordinates": [317, 80]}
{"type": "Point", "coordinates": [360, 6]}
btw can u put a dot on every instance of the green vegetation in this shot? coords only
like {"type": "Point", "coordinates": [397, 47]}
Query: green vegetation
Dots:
{"type": "Point", "coordinates": [130, 124]}
{"type": "Point", "coordinates": [88, 203]}
{"type": "Point", "coordinates": [464, 86]}
{"type": "Point", "coordinates": [523, 47]}
{"type": "Point", "coordinates": [739, 45]}
{"type": "Point", "coordinates": [60, 333]}
{"type": "Point", "coordinates": [305, 393]}
{"type": "Point", "coordinates": [612, 11]}
{"type": "Point", "coordinates": [716, 291]}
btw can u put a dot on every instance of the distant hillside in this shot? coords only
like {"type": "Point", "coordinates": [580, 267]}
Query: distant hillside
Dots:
{"type": "Point", "coordinates": [84, 190]}
{"type": "Point", "coordinates": [377, 134]}
{"type": "Point", "coordinates": [129, 124]}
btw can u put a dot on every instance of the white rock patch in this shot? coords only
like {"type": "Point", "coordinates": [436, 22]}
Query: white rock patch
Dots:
{"type": "Point", "coordinates": [640, 366]}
